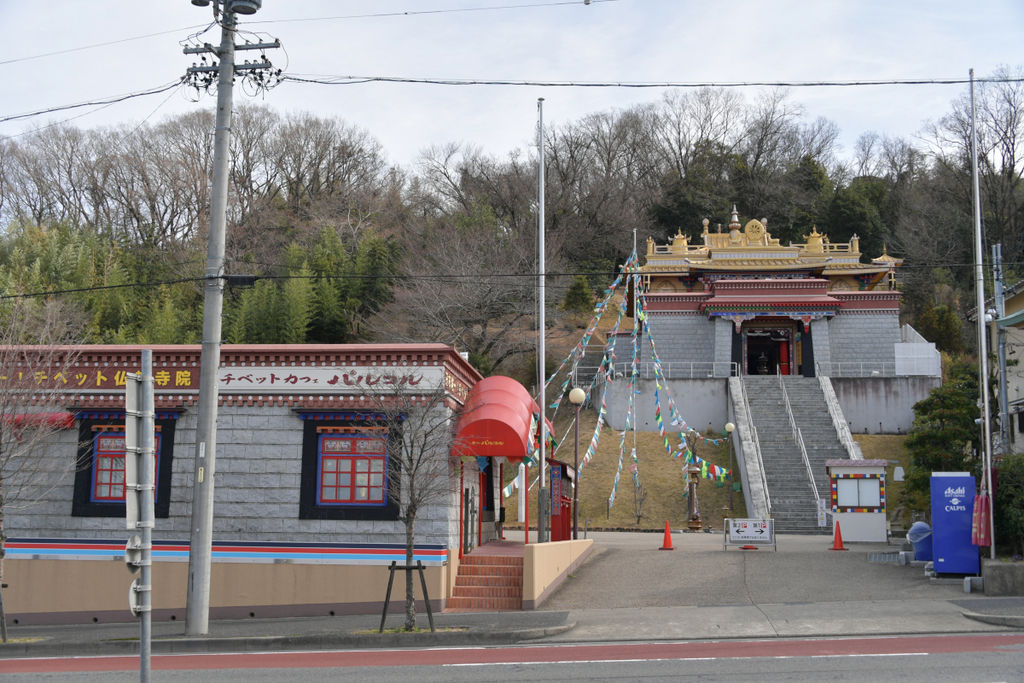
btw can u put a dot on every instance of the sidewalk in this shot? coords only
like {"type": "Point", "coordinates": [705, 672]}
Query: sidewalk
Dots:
{"type": "Point", "coordinates": [629, 590]}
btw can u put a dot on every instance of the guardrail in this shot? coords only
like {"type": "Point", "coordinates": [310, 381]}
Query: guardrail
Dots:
{"type": "Point", "coordinates": [856, 369]}
{"type": "Point", "coordinates": [690, 370]}
{"type": "Point", "coordinates": [842, 429]}
{"type": "Point", "coordinates": [798, 436]}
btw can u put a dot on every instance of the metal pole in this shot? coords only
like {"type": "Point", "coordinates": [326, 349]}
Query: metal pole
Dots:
{"type": "Point", "coordinates": [997, 279]}
{"type": "Point", "coordinates": [197, 612]}
{"type": "Point", "coordinates": [542, 492]}
{"type": "Point", "coordinates": [729, 428]}
{"type": "Point", "coordinates": [982, 345]}
{"type": "Point", "coordinates": [147, 514]}
{"type": "Point", "coordinates": [576, 474]}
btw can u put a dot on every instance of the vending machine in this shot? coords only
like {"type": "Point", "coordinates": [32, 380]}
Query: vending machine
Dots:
{"type": "Point", "coordinates": [952, 506]}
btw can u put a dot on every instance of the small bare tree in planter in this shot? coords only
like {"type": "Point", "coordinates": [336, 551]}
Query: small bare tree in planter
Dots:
{"type": "Point", "coordinates": [33, 379]}
{"type": "Point", "coordinates": [420, 430]}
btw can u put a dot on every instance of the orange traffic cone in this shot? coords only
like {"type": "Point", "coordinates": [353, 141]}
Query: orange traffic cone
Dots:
{"type": "Point", "coordinates": [668, 539]}
{"type": "Point", "coordinates": [837, 540]}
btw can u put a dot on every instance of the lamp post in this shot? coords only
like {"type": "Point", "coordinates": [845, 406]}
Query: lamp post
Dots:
{"type": "Point", "coordinates": [576, 397]}
{"type": "Point", "coordinates": [729, 428]}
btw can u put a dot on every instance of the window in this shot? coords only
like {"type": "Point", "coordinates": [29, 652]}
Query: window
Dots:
{"type": "Point", "coordinates": [352, 469]}
{"type": "Point", "coordinates": [346, 471]}
{"type": "Point", "coordinates": [857, 492]}
{"type": "Point", "coordinates": [99, 479]}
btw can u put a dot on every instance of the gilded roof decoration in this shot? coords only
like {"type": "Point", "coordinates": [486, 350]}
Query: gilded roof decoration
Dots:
{"type": "Point", "coordinates": [751, 247]}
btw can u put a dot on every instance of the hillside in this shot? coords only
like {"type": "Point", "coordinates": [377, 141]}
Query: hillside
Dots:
{"type": "Point", "coordinates": [661, 477]}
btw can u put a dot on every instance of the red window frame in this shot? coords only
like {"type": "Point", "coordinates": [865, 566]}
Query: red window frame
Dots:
{"type": "Point", "coordinates": [108, 466]}
{"type": "Point", "coordinates": [352, 469]}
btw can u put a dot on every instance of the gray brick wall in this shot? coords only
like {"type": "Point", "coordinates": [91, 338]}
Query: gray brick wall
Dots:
{"type": "Point", "coordinates": [682, 338]}
{"type": "Point", "coordinates": [820, 342]}
{"type": "Point", "coordinates": [259, 463]}
{"type": "Point", "coordinates": [864, 338]}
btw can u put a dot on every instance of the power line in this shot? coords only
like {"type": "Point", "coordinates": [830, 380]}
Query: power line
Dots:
{"type": "Point", "coordinates": [409, 13]}
{"type": "Point", "coordinates": [354, 80]}
{"type": "Point", "coordinates": [108, 101]}
{"type": "Point", "coordinates": [440, 277]}
{"type": "Point", "coordinates": [453, 10]}
{"type": "Point", "coordinates": [95, 45]}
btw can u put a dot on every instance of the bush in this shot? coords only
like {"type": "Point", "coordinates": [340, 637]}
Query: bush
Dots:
{"type": "Point", "coordinates": [1008, 505]}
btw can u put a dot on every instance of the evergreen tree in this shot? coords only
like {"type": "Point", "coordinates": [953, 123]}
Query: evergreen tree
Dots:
{"type": "Point", "coordinates": [944, 435]}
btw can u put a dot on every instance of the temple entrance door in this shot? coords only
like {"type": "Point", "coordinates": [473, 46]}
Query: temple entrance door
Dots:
{"type": "Point", "coordinates": [768, 349]}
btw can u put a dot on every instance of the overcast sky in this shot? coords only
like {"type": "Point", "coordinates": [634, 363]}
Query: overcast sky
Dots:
{"type": "Point", "coordinates": [535, 40]}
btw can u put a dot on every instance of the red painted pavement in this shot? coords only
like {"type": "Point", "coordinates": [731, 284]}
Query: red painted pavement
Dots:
{"type": "Point", "coordinates": [731, 649]}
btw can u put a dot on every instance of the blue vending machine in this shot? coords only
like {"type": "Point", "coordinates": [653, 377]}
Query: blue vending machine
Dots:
{"type": "Point", "coordinates": [952, 508]}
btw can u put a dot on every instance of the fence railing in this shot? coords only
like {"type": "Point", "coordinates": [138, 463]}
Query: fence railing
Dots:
{"type": "Point", "coordinates": [856, 369]}
{"type": "Point", "coordinates": [685, 370]}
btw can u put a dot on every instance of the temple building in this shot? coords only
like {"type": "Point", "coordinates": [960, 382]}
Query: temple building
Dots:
{"type": "Point", "coordinates": [739, 302]}
{"type": "Point", "coordinates": [797, 346]}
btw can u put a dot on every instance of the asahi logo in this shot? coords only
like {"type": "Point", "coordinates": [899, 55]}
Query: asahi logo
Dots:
{"type": "Point", "coordinates": [955, 498]}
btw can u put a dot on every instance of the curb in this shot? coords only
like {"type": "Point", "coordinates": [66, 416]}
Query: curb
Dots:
{"type": "Point", "coordinates": [316, 641]}
{"type": "Point", "coordinates": [1013, 621]}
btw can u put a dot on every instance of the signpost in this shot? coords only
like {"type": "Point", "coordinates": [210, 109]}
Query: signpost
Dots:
{"type": "Point", "coordinates": [139, 489]}
{"type": "Point", "coordinates": [748, 533]}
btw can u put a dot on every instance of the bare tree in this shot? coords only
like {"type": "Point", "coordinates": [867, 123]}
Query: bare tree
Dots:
{"type": "Point", "coordinates": [420, 432]}
{"type": "Point", "coordinates": [32, 381]}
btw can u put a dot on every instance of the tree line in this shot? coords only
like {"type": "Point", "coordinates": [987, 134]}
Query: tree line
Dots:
{"type": "Point", "coordinates": [345, 247]}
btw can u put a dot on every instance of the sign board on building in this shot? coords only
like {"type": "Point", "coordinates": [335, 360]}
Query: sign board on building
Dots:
{"type": "Point", "coordinates": [748, 532]}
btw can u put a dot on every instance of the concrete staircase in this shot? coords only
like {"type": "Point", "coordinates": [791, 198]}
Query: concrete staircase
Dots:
{"type": "Point", "coordinates": [488, 582]}
{"type": "Point", "coordinates": [793, 504]}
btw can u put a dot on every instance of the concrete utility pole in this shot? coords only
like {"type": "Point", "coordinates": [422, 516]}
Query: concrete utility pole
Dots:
{"type": "Point", "coordinates": [197, 607]}
{"type": "Point", "coordinates": [542, 428]}
{"type": "Point", "coordinates": [997, 279]}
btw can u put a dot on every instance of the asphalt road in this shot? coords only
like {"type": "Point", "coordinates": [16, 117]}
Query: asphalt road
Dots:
{"type": "Point", "coordinates": [905, 658]}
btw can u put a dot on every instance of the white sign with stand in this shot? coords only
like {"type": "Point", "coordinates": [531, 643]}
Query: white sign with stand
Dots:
{"type": "Point", "coordinates": [748, 533]}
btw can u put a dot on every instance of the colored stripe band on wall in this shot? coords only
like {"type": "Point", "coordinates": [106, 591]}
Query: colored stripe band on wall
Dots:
{"type": "Point", "coordinates": [230, 551]}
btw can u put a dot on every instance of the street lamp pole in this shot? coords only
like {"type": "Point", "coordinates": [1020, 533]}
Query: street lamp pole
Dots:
{"type": "Point", "coordinates": [576, 397]}
{"type": "Point", "coordinates": [729, 428]}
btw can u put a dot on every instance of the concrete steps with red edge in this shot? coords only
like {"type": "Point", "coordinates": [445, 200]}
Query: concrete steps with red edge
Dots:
{"type": "Point", "coordinates": [488, 583]}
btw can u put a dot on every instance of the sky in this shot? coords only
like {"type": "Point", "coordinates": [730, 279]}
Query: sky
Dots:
{"type": "Point", "coordinates": [137, 48]}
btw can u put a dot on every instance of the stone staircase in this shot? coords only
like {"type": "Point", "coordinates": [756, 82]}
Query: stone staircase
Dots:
{"type": "Point", "coordinates": [793, 505]}
{"type": "Point", "coordinates": [488, 582]}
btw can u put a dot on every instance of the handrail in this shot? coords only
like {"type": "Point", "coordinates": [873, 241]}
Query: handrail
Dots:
{"type": "Point", "coordinates": [798, 436]}
{"type": "Point", "coordinates": [757, 446]}
{"type": "Point", "coordinates": [673, 370]}
{"type": "Point", "coordinates": [842, 429]}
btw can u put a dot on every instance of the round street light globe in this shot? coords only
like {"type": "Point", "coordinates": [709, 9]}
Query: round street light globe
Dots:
{"type": "Point", "coordinates": [729, 427]}
{"type": "Point", "coordinates": [577, 396]}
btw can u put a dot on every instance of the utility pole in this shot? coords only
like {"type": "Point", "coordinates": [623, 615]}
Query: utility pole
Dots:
{"type": "Point", "coordinates": [197, 606]}
{"type": "Point", "coordinates": [997, 278]}
{"type": "Point", "coordinates": [543, 501]}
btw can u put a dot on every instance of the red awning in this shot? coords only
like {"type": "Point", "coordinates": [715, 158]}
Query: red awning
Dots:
{"type": "Point", "coordinates": [496, 420]}
{"type": "Point", "coordinates": [493, 431]}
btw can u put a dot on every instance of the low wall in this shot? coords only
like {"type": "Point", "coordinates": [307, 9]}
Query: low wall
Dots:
{"type": "Point", "coordinates": [881, 405]}
{"type": "Point", "coordinates": [83, 591]}
{"type": "Point", "coordinates": [546, 565]}
{"type": "Point", "coordinates": [698, 401]}
{"type": "Point", "coordinates": [1002, 578]}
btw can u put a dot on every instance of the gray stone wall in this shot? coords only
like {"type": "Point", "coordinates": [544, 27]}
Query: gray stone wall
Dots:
{"type": "Point", "coordinates": [864, 338]}
{"type": "Point", "coordinates": [258, 471]}
{"type": "Point", "coordinates": [681, 338]}
{"type": "Point", "coordinates": [820, 343]}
